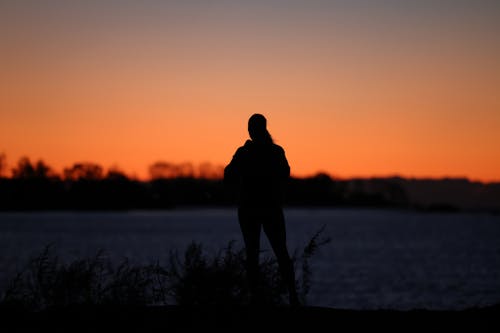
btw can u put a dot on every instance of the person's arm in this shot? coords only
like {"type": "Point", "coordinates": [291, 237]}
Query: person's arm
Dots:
{"type": "Point", "coordinates": [284, 166]}
{"type": "Point", "coordinates": [232, 170]}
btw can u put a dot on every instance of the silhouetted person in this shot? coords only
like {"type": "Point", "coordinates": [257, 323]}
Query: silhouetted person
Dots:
{"type": "Point", "coordinates": [259, 170]}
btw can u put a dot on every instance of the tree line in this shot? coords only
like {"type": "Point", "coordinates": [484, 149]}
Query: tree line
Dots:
{"type": "Point", "coordinates": [34, 185]}
{"type": "Point", "coordinates": [88, 186]}
{"type": "Point", "coordinates": [26, 169]}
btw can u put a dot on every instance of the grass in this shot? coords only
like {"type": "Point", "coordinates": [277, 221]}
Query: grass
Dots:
{"type": "Point", "coordinates": [193, 278]}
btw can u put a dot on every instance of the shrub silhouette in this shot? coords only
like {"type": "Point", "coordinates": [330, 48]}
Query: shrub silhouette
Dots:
{"type": "Point", "coordinates": [201, 280]}
{"type": "Point", "coordinates": [196, 279]}
{"type": "Point", "coordinates": [47, 282]}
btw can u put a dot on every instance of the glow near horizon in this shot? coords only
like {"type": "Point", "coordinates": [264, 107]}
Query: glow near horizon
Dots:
{"type": "Point", "coordinates": [351, 88]}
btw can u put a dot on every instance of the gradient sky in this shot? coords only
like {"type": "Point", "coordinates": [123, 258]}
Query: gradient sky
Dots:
{"type": "Point", "coordinates": [352, 88]}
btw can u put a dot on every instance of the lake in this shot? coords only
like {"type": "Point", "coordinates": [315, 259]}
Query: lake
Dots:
{"type": "Point", "coordinates": [376, 259]}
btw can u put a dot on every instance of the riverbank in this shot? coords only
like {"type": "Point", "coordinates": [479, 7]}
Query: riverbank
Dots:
{"type": "Point", "coordinates": [245, 319]}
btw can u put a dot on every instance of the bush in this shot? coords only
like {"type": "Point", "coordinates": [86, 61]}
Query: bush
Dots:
{"type": "Point", "coordinates": [196, 279]}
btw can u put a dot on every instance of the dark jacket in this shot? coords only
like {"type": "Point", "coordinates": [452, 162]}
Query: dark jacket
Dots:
{"type": "Point", "coordinates": [258, 172]}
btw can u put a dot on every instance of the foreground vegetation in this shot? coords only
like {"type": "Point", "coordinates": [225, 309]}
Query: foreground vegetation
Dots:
{"type": "Point", "coordinates": [192, 279]}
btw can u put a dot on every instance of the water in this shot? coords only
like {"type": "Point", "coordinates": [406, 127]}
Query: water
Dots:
{"type": "Point", "coordinates": [376, 258]}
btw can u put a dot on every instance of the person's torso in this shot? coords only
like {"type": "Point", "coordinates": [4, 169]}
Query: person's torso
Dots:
{"type": "Point", "coordinates": [263, 174]}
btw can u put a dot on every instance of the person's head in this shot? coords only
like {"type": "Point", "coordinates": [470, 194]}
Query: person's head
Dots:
{"type": "Point", "coordinates": [257, 129]}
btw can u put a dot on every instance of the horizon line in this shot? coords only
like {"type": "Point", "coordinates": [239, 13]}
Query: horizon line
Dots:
{"type": "Point", "coordinates": [215, 171]}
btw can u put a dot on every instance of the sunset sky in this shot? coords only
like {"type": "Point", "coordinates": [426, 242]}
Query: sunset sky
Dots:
{"type": "Point", "coordinates": [352, 88]}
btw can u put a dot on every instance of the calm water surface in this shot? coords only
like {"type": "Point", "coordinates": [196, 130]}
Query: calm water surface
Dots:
{"type": "Point", "coordinates": [376, 258]}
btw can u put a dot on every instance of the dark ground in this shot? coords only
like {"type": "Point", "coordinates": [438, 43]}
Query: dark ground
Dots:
{"type": "Point", "coordinates": [246, 319]}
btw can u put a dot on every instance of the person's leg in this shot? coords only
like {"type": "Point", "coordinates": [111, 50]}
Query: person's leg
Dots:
{"type": "Point", "coordinates": [250, 228]}
{"type": "Point", "coordinates": [274, 228]}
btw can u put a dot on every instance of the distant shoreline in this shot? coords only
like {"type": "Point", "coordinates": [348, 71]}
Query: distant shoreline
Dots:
{"type": "Point", "coordinates": [121, 194]}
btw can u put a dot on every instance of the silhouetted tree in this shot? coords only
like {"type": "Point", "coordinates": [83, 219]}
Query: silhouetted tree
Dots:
{"type": "Point", "coordinates": [83, 171]}
{"type": "Point", "coordinates": [161, 170]}
{"type": "Point", "coordinates": [26, 170]}
{"type": "Point", "coordinates": [318, 190]}
{"type": "Point", "coordinates": [209, 171]}
{"type": "Point", "coordinates": [3, 164]}
{"type": "Point", "coordinates": [185, 170]}
{"type": "Point", "coordinates": [165, 170]}
{"type": "Point", "coordinates": [116, 174]}
{"type": "Point", "coordinates": [32, 186]}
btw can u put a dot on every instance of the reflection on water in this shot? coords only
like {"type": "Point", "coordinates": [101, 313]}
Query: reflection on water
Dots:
{"type": "Point", "coordinates": [376, 259]}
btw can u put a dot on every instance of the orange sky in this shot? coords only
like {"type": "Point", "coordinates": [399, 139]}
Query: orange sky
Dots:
{"type": "Point", "coordinates": [349, 88]}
